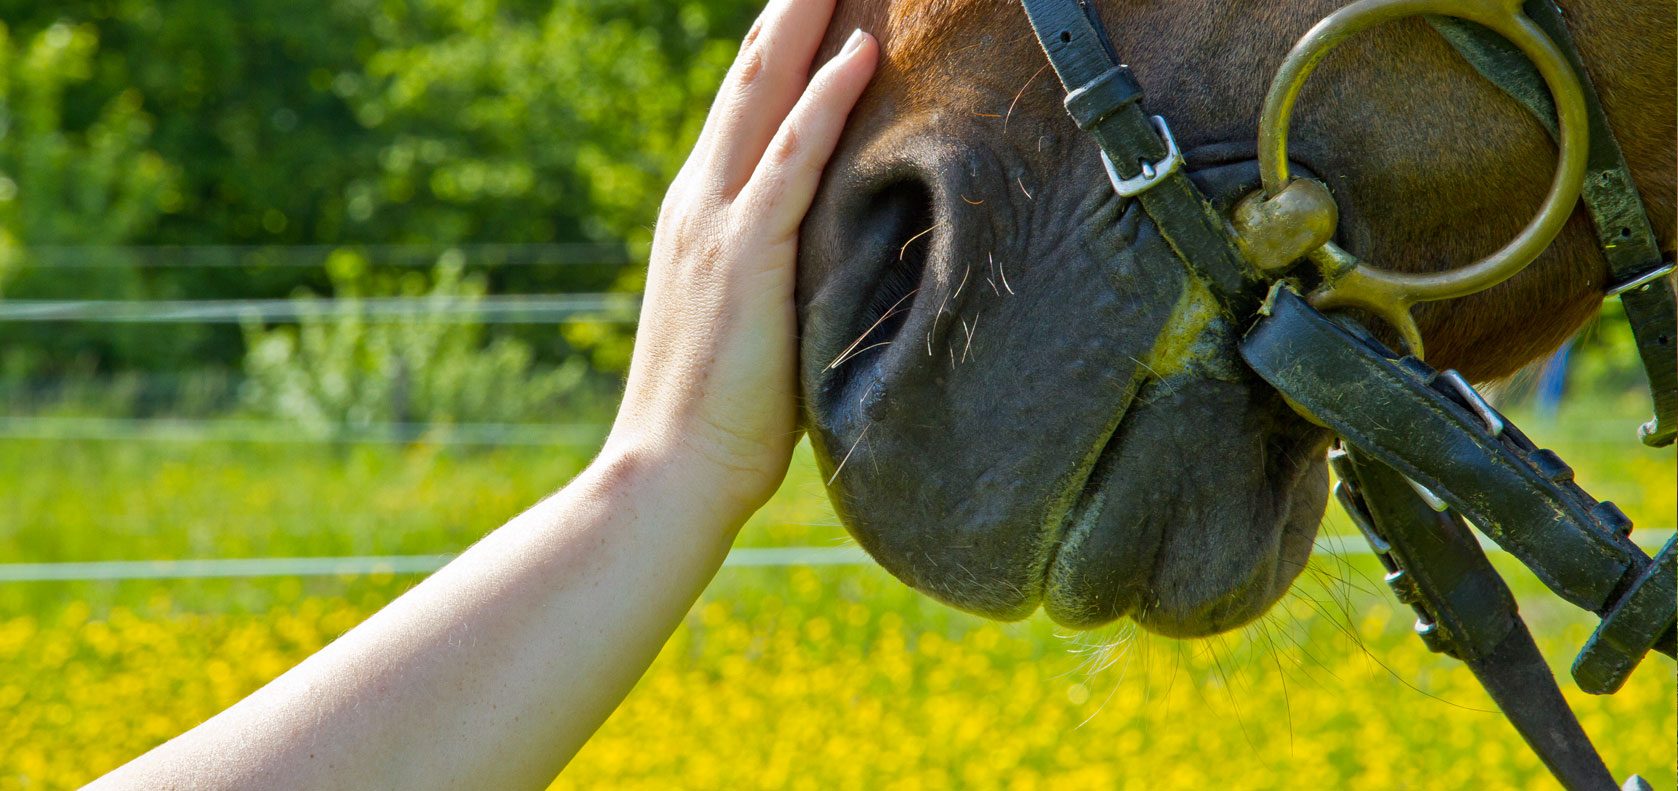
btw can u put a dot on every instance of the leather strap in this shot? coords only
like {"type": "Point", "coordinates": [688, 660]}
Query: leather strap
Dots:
{"type": "Point", "coordinates": [1641, 620]}
{"type": "Point", "coordinates": [1465, 610]}
{"type": "Point", "coordinates": [1624, 232]}
{"type": "Point", "coordinates": [1398, 411]}
{"type": "Point", "coordinates": [1423, 443]}
{"type": "Point", "coordinates": [1105, 100]}
{"type": "Point", "coordinates": [1444, 438]}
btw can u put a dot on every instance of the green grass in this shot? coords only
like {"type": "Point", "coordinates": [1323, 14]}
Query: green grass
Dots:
{"type": "Point", "coordinates": [804, 677]}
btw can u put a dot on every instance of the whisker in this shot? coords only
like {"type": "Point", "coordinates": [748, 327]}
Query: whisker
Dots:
{"type": "Point", "coordinates": [867, 392]}
{"type": "Point", "coordinates": [1010, 113]}
{"type": "Point", "coordinates": [1229, 691]}
{"type": "Point", "coordinates": [1304, 667]}
{"type": "Point", "coordinates": [848, 357]}
{"type": "Point", "coordinates": [848, 453]}
{"type": "Point", "coordinates": [892, 311]}
{"type": "Point", "coordinates": [963, 283]}
{"type": "Point", "coordinates": [1002, 269]}
{"type": "Point", "coordinates": [935, 317]}
{"type": "Point", "coordinates": [1021, 181]}
{"type": "Point", "coordinates": [1282, 675]}
{"type": "Point", "coordinates": [971, 202]}
{"type": "Point", "coordinates": [904, 250]}
{"type": "Point", "coordinates": [969, 346]}
{"type": "Point", "coordinates": [1357, 640]}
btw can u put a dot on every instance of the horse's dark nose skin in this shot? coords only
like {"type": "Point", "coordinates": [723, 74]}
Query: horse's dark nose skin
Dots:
{"type": "Point", "coordinates": [984, 389]}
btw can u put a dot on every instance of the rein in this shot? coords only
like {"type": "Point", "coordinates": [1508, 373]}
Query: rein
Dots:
{"type": "Point", "coordinates": [1421, 455]}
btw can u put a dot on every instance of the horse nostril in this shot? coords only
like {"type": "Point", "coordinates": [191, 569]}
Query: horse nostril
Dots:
{"type": "Point", "coordinates": [895, 236]}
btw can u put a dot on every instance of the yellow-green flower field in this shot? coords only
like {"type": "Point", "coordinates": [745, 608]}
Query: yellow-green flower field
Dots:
{"type": "Point", "coordinates": [818, 677]}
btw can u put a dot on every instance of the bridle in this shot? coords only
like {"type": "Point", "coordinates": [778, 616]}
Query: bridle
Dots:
{"type": "Point", "coordinates": [1420, 454]}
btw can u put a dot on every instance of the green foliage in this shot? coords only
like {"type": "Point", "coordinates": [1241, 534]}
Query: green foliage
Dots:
{"type": "Point", "coordinates": [500, 122]}
{"type": "Point", "coordinates": [340, 372]}
{"type": "Point", "coordinates": [348, 122]}
{"type": "Point", "coordinates": [72, 172]}
{"type": "Point", "coordinates": [61, 183]}
{"type": "Point", "coordinates": [1605, 354]}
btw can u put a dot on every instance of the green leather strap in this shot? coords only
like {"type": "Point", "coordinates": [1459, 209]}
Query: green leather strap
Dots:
{"type": "Point", "coordinates": [1106, 101]}
{"type": "Point", "coordinates": [1406, 415]}
{"type": "Point", "coordinates": [1410, 431]}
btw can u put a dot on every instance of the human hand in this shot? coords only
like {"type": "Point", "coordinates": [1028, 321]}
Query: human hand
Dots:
{"type": "Point", "coordinates": [711, 383]}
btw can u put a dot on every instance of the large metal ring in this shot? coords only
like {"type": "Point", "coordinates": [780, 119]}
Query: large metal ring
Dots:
{"type": "Point", "coordinates": [1350, 283]}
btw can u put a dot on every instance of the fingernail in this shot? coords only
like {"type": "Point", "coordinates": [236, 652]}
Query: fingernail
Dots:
{"type": "Point", "coordinates": [853, 42]}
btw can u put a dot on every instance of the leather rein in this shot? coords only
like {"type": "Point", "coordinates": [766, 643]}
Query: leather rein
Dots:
{"type": "Point", "coordinates": [1421, 455]}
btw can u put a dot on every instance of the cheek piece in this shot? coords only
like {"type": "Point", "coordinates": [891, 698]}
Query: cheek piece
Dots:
{"type": "Point", "coordinates": [1422, 458]}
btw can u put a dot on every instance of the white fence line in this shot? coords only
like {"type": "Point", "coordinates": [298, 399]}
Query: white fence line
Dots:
{"type": "Point", "coordinates": [494, 309]}
{"type": "Point", "coordinates": [744, 557]}
{"type": "Point", "coordinates": [186, 430]}
{"type": "Point", "coordinates": [314, 256]}
{"type": "Point", "coordinates": [221, 568]}
{"type": "Point", "coordinates": [283, 432]}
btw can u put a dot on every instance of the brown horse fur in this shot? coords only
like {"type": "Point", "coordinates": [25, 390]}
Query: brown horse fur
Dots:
{"type": "Point", "coordinates": [1044, 413]}
{"type": "Point", "coordinates": [1432, 165]}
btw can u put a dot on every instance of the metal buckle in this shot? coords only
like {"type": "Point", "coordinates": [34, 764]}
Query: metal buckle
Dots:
{"type": "Point", "coordinates": [1476, 402]}
{"type": "Point", "coordinates": [1638, 281]}
{"type": "Point", "coordinates": [1152, 172]}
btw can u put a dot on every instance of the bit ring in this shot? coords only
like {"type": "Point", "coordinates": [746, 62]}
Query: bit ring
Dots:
{"type": "Point", "coordinates": [1351, 283]}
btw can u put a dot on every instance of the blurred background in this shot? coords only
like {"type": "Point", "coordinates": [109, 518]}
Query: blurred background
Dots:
{"type": "Point", "coordinates": [298, 300]}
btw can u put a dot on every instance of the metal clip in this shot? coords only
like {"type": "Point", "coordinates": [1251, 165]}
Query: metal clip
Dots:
{"type": "Point", "coordinates": [1433, 500]}
{"type": "Point", "coordinates": [1152, 172]}
{"type": "Point", "coordinates": [1352, 502]}
{"type": "Point", "coordinates": [1476, 402]}
{"type": "Point", "coordinates": [1638, 281]}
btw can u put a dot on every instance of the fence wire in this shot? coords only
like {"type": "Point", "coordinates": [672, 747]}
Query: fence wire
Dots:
{"type": "Point", "coordinates": [96, 429]}
{"type": "Point", "coordinates": [315, 256]}
{"type": "Point", "coordinates": [499, 309]}
{"type": "Point", "coordinates": [361, 565]}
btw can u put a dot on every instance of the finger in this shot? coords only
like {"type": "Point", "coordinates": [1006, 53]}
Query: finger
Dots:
{"type": "Point", "coordinates": [784, 184]}
{"type": "Point", "coordinates": [762, 85]}
{"type": "Point", "coordinates": [708, 130]}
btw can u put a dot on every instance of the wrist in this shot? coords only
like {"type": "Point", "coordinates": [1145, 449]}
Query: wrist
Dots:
{"type": "Point", "coordinates": [668, 477]}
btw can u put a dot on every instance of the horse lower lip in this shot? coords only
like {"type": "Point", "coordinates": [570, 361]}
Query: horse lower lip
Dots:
{"type": "Point", "coordinates": [1078, 509]}
{"type": "Point", "coordinates": [1083, 516]}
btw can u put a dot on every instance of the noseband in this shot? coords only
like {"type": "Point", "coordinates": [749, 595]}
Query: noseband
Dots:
{"type": "Point", "coordinates": [1421, 455]}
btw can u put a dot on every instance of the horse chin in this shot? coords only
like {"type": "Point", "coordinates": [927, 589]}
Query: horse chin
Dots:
{"type": "Point", "coordinates": [1192, 518]}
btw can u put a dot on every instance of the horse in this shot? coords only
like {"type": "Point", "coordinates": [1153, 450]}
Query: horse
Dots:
{"type": "Point", "coordinates": [1017, 396]}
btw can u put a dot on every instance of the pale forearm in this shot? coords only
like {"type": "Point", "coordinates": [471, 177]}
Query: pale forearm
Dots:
{"type": "Point", "coordinates": [492, 672]}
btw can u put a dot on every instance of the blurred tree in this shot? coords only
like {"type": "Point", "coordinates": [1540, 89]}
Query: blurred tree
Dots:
{"type": "Point", "coordinates": [71, 173]}
{"type": "Point", "coordinates": [347, 122]}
